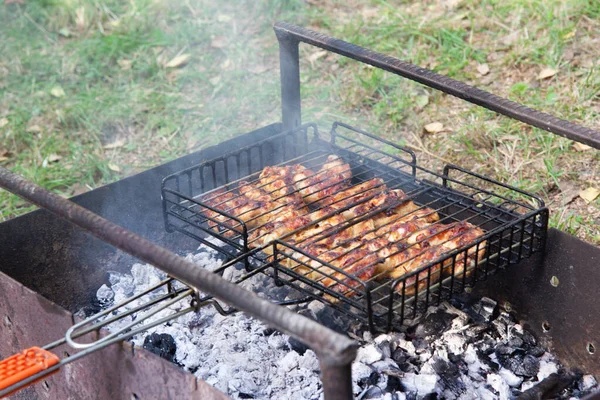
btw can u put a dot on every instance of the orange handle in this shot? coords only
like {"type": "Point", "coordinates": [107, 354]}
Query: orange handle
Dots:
{"type": "Point", "coordinates": [25, 364]}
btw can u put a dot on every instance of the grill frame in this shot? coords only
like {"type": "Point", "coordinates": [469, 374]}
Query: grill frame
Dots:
{"type": "Point", "coordinates": [508, 242]}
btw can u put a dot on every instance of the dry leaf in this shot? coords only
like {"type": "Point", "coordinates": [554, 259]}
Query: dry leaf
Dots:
{"type": "Point", "coordinates": [80, 18]}
{"type": "Point", "coordinates": [226, 64]}
{"type": "Point", "coordinates": [64, 32]}
{"type": "Point", "coordinates": [483, 69]}
{"type": "Point", "coordinates": [570, 35]}
{"type": "Point", "coordinates": [316, 55]}
{"type": "Point", "coordinates": [581, 147]}
{"type": "Point", "coordinates": [125, 64]}
{"type": "Point", "coordinates": [218, 42]}
{"type": "Point", "coordinates": [57, 91]}
{"type": "Point", "coordinates": [546, 73]}
{"type": "Point", "coordinates": [33, 129]}
{"type": "Point", "coordinates": [3, 122]}
{"type": "Point", "coordinates": [114, 167]}
{"type": "Point", "coordinates": [115, 145]}
{"type": "Point", "coordinates": [569, 191]}
{"type": "Point", "coordinates": [511, 38]}
{"type": "Point", "coordinates": [54, 158]}
{"type": "Point", "coordinates": [224, 18]}
{"type": "Point", "coordinates": [369, 12]}
{"type": "Point", "coordinates": [258, 68]}
{"type": "Point", "coordinates": [178, 61]}
{"type": "Point", "coordinates": [434, 127]}
{"type": "Point", "coordinates": [589, 194]}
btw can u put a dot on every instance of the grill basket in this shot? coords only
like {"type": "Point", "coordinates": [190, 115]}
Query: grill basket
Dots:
{"type": "Point", "coordinates": [514, 222]}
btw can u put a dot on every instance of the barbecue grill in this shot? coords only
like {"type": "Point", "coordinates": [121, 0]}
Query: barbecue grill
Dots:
{"type": "Point", "coordinates": [45, 254]}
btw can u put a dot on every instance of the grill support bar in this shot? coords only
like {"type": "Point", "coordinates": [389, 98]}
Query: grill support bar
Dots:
{"type": "Point", "coordinates": [290, 35]}
{"type": "Point", "coordinates": [335, 351]}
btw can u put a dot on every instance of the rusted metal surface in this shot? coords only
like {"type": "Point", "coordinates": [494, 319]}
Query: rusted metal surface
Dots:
{"type": "Point", "coordinates": [336, 349]}
{"type": "Point", "coordinates": [289, 35]}
{"type": "Point", "coordinates": [116, 372]}
{"type": "Point", "coordinates": [557, 290]}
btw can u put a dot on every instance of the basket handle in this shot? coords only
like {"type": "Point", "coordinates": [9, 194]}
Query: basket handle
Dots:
{"type": "Point", "coordinates": [25, 365]}
{"type": "Point", "coordinates": [289, 36]}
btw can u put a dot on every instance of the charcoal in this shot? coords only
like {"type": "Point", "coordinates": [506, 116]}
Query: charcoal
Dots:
{"type": "Point", "coordinates": [297, 346]}
{"type": "Point", "coordinates": [393, 384]}
{"type": "Point", "coordinates": [449, 376]}
{"type": "Point", "coordinates": [385, 349]}
{"type": "Point", "coordinates": [536, 351]}
{"type": "Point", "coordinates": [105, 296]}
{"type": "Point", "coordinates": [368, 354]}
{"type": "Point", "coordinates": [161, 344]}
{"type": "Point", "coordinates": [371, 380]}
{"type": "Point", "coordinates": [374, 392]}
{"type": "Point", "coordinates": [528, 338]}
{"type": "Point", "coordinates": [505, 350]}
{"type": "Point", "coordinates": [430, 396]}
{"type": "Point", "coordinates": [243, 395]}
{"type": "Point", "coordinates": [587, 382]}
{"type": "Point", "coordinates": [400, 356]}
{"type": "Point", "coordinates": [549, 387]}
{"type": "Point", "coordinates": [515, 341]}
{"type": "Point", "coordinates": [485, 308]}
{"type": "Point", "coordinates": [434, 324]}
{"type": "Point", "coordinates": [527, 366]}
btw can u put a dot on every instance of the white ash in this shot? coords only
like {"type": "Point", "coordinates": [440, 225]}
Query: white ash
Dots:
{"type": "Point", "coordinates": [239, 355]}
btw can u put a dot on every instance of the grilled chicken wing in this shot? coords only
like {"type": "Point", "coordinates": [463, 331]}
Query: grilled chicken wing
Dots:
{"type": "Point", "coordinates": [230, 202]}
{"type": "Point", "coordinates": [399, 208]}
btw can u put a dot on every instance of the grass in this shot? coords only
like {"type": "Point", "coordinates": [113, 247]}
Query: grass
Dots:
{"type": "Point", "coordinates": [124, 110]}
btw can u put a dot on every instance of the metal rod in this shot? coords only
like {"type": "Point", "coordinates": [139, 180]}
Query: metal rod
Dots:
{"type": "Point", "coordinates": [333, 349]}
{"type": "Point", "coordinates": [289, 60]}
{"type": "Point", "coordinates": [337, 381]}
{"type": "Point", "coordinates": [290, 88]}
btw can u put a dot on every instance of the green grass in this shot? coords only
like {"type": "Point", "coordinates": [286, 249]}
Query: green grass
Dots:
{"type": "Point", "coordinates": [109, 58]}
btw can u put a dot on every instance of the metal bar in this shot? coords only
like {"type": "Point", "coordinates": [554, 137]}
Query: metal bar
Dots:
{"type": "Point", "coordinates": [289, 60]}
{"type": "Point", "coordinates": [337, 382]}
{"type": "Point", "coordinates": [335, 351]}
{"type": "Point", "coordinates": [290, 91]}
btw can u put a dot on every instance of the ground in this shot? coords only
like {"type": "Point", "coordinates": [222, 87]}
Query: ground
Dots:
{"type": "Point", "coordinates": [94, 91]}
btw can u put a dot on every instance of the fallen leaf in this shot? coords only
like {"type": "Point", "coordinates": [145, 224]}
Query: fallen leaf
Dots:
{"type": "Point", "coordinates": [316, 55]}
{"type": "Point", "coordinates": [80, 18]}
{"type": "Point", "coordinates": [178, 61]}
{"type": "Point", "coordinates": [581, 147]}
{"type": "Point", "coordinates": [569, 191]}
{"type": "Point", "coordinates": [218, 42]}
{"type": "Point", "coordinates": [434, 127]}
{"type": "Point", "coordinates": [369, 12]}
{"type": "Point", "coordinates": [510, 38]}
{"type": "Point", "coordinates": [422, 100]}
{"type": "Point", "coordinates": [226, 64]}
{"type": "Point", "coordinates": [114, 167]}
{"type": "Point", "coordinates": [224, 18]}
{"type": "Point", "coordinates": [483, 69]}
{"type": "Point", "coordinates": [33, 129]}
{"type": "Point", "coordinates": [4, 154]}
{"type": "Point", "coordinates": [116, 144]}
{"type": "Point", "coordinates": [570, 35]}
{"type": "Point", "coordinates": [3, 122]}
{"type": "Point", "coordinates": [589, 194]}
{"type": "Point", "coordinates": [57, 91]}
{"type": "Point", "coordinates": [54, 158]}
{"type": "Point", "coordinates": [258, 68]}
{"type": "Point", "coordinates": [64, 32]}
{"type": "Point", "coordinates": [125, 64]}
{"type": "Point", "coordinates": [546, 73]}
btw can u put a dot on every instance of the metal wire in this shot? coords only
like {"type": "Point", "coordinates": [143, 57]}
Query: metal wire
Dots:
{"type": "Point", "coordinates": [511, 228]}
